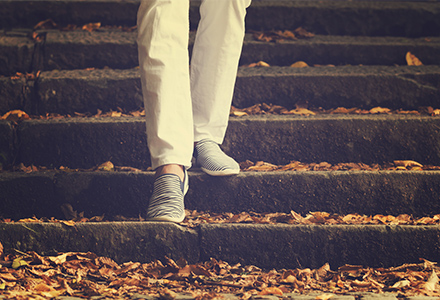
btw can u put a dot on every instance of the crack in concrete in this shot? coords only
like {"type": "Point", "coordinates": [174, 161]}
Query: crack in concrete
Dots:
{"type": "Point", "coordinates": [421, 85]}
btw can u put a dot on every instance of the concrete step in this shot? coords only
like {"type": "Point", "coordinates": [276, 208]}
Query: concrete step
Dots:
{"type": "Point", "coordinates": [266, 246]}
{"type": "Point", "coordinates": [126, 194]}
{"type": "Point", "coordinates": [117, 49]}
{"type": "Point", "coordinates": [374, 18]}
{"type": "Point", "coordinates": [72, 91]}
{"type": "Point", "coordinates": [87, 142]}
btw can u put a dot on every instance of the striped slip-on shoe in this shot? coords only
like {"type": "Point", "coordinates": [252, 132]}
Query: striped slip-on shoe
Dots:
{"type": "Point", "coordinates": [166, 203]}
{"type": "Point", "coordinates": [213, 161]}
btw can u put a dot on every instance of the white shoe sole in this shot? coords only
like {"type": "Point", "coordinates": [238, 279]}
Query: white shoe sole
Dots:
{"type": "Point", "coordinates": [227, 172]}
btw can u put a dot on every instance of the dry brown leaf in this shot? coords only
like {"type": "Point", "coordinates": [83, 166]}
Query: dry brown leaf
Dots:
{"type": "Point", "coordinates": [258, 64]}
{"type": "Point", "coordinates": [401, 284]}
{"type": "Point", "coordinates": [324, 296]}
{"type": "Point", "coordinates": [166, 294]}
{"type": "Point", "coordinates": [299, 64]}
{"type": "Point", "coordinates": [238, 113]}
{"type": "Point", "coordinates": [15, 115]}
{"type": "Point", "coordinates": [271, 291]}
{"type": "Point", "coordinates": [46, 24]}
{"type": "Point", "coordinates": [407, 163]}
{"type": "Point", "coordinates": [380, 110]}
{"type": "Point", "coordinates": [91, 26]}
{"type": "Point", "coordinates": [412, 60]}
{"type": "Point", "coordinates": [300, 111]}
{"type": "Point", "coordinates": [107, 166]}
{"type": "Point", "coordinates": [432, 282]}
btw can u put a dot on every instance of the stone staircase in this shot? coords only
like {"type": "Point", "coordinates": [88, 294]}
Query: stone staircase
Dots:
{"type": "Point", "coordinates": [81, 72]}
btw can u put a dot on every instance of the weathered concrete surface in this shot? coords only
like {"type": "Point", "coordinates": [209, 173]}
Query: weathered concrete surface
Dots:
{"type": "Point", "coordinates": [352, 138]}
{"type": "Point", "coordinates": [84, 143]}
{"type": "Point", "coordinates": [111, 194]}
{"type": "Point", "coordinates": [82, 49]}
{"type": "Point", "coordinates": [292, 246]}
{"type": "Point", "coordinates": [370, 193]}
{"type": "Point", "coordinates": [15, 94]}
{"type": "Point", "coordinates": [121, 241]}
{"type": "Point", "coordinates": [7, 143]}
{"type": "Point", "coordinates": [327, 87]}
{"type": "Point", "coordinates": [88, 90]}
{"type": "Point", "coordinates": [341, 50]}
{"type": "Point", "coordinates": [347, 86]}
{"type": "Point", "coordinates": [267, 246]}
{"type": "Point", "coordinates": [16, 50]}
{"type": "Point", "coordinates": [379, 18]}
{"type": "Point", "coordinates": [118, 50]}
{"type": "Point", "coordinates": [27, 195]}
{"type": "Point", "coordinates": [114, 194]}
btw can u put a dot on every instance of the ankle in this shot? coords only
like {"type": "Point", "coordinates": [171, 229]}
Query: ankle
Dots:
{"type": "Point", "coordinates": [171, 169]}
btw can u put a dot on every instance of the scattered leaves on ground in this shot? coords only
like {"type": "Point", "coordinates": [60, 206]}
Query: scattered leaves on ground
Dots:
{"type": "Point", "coordinates": [279, 36]}
{"type": "Point", "coordinates": [249, 166]}
{"type": "Point", "coordinates": [50, 24]}
{"type": "Point", "coordinates": [195, 218]}
{"type": "Point", "coordinates": [86, 274]}
{"type": "Point", "coordinates": [273, 109]}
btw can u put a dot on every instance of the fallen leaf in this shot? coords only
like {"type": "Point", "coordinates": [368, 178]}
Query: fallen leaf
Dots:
{"type": "Point", "coordinates": [258, 64]}
{"type": "Point", "coordinates": [380, 110]}
{"type": "Point", "coordinates": [299, 64]}
{"type": "Point", "coordinates": [46, 24]}
{"type": "Point", "coordinates": [167, 294]}
{"type": "Point", "coordinates": [401, 284]}
{"type": "Point", "coordinates": [271, 291]}
{"type": "Point", "coordinates": [15, 115]}
{"type": "Point", "coordinates": [407, 163]}
{"type": "Point", "coordinates": [91, 26]}
{"type": "Point", "coordinates": [238, 113]}
{"type": "Point", "coordinates": [432, 282]}
{"type": "Point", "coordinates": [324, 296]}
{"type": "Point", "coordinates": [107, 166]}
{"type": "Point", "coordinates": [1, 250]}
{"type": "Point", "coordinates": [412, 60]}
{"type": "Point", "coordinates": [300, 111]}
{"type": "Point", "coordinates": [18, 262]}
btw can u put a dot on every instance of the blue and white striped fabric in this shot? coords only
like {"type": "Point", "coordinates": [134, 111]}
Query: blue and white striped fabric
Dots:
{"type": "Point", "coordinates": [213, 161]}
{"type": "Point", "coordinates": [166, 203]}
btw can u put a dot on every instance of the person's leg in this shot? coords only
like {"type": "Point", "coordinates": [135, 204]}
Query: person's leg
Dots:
{"type": "Point", "coordinates": [214, 66]}
{"type": "Point", "coordinates": [163, 27]}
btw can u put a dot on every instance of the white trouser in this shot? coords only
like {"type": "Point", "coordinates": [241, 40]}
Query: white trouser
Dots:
{"type": "Point", "coordinates": [180, 107]}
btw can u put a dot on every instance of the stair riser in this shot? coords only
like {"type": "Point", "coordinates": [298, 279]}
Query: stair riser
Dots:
{"type": "Point", "coordinates": [354, 18]}
{"type": "Point", "coordinates": [67, 92]}
{"type": "Point", "coordinates": [84, 143]}
{"type": "Point", "coordinates": [126, 194]}
{"type": "Point", "coordinates": [265, 246]}
{"type": "Point", "coordinates": [118, 50]}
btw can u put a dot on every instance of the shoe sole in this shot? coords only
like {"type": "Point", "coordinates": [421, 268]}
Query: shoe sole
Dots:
{"type": "Point", "coordinates": [227, 172]}
{"type": "Point", "coordinates": [166, 219]}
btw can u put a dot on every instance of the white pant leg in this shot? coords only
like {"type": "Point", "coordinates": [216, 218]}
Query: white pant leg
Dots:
{"type": "Point", "coordinates": [163, 27]}
{"type": "Point", "coordinates": [214, 65]}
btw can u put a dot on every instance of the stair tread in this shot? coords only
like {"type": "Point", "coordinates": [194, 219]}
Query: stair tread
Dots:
{"type": "Point", "coordinates": [355, 17]}
{"type": "Point", "coordinates": [267, 246]}
{"type": "Point", "coordinates": [72, 142]}
{"type": "Point", "coordinates": [342, 192]}
{"type": "Point", "coordinates": [117, 49]}
{"type": "Point", "coordinates": [69, 91]}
